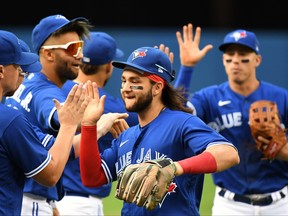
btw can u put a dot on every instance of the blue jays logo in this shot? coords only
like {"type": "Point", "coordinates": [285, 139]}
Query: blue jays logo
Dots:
{"type": "Point", "coordinates": [171, 189]}
{"type": "Point", "coordinates": [238, 35]}
{"type": "Point", "coordinates": [61, 17]}
{"type": "Point", "coordinates": [139, 53]}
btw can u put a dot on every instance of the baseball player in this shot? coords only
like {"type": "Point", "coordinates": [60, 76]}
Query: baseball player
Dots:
{"type": "Point", "coordinates": [23, 155]}
{"type": "Point", "coordinates": [98, 52]}
{"type": "Point", "coordinates": [255, 186]}
{"type": "Point", "coordinates": [166, 129]}
{"type": "Point", "coordinates": [59, 42]}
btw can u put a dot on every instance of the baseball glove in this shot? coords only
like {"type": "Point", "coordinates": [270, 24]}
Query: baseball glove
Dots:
{"type": "Point", "coordinates": [264, 120]}
{"type": "Point", "coordinates": [146, 183]}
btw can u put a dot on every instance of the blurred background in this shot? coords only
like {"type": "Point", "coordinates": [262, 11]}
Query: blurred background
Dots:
{"type": "Point", "coordinates": [147, 23]}
{"type": "Point", "coordinates": [207, 13]}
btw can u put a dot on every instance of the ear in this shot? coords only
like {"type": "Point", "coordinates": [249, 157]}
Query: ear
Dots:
{"type": "Point", "coordinates": [47, 54]}
{"type": "Point", "coordinates": [223, 61]}
{"type": "Point", "coordinates": [157, 88]}
{"type": "Point", "coordinates": [109, 67]}
{"type": "Point", "coordinates": [1, 71]}
{"type": "Point", "coordinates": [258, 60]}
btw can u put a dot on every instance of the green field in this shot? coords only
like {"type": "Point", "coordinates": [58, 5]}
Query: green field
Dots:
{"type": "Point", "coordinates": [112, 206]}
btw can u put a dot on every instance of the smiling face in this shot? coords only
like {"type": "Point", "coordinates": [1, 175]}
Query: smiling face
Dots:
{"type": "Point", "coordinates": [136, 91]}
{"type": "Point", "coordinates": [65, 65]}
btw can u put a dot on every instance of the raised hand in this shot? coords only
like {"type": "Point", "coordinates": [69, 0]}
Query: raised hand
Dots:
{"type": "Point", "coordinates": [72, 111]}
{"type": "Point", "coordinates": [95, 107]}
{"type": "Point", "coordinates": [189, 51]}
{"type": "Point", "coordinates": [166, 49]}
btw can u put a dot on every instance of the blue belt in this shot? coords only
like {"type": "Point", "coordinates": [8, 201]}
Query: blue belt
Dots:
{"type": "Point", "coordinates": [70, 193]}
{"type": "Point", "coordinates": [259, 202]}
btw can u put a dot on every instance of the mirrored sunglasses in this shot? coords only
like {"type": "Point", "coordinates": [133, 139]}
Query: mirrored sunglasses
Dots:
{"type": "Point", "coordinates": [72, 48]}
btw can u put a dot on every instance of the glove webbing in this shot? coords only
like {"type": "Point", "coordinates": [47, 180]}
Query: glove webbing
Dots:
{"type": "Point", "coordinates": [162, 163]}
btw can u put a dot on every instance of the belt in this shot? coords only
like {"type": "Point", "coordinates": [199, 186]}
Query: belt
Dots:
{"type": "Point", "coordinates": [39, 198]}
{"type": "Point", "coordinates": [259, 202]}
{"type": "Point", "coordinates": [70, 193]}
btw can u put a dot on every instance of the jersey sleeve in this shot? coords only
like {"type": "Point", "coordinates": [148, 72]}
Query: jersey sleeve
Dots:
{"type": "Point", "coordinates": [24, 147]}
{"type": "Point", "coordinates": [202, 134]}
{"type": "Point", "coordinates": [45, 109]}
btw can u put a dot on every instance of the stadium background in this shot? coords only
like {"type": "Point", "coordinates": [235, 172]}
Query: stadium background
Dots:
{"type": "Point", "coordinates": [144, 23]}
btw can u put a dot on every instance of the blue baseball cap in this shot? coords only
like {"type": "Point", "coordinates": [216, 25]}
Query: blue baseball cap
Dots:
{"type": "Point", "coordinates": [242, 37]}
{"type": "Point", "coordinates": [100, 48]}
{"type": "Point", "coordinates": [10, 50]}
{"type": "Point", "coordinates": [150, 60]}
{"type": "Point", "coordinates": [34, 67]}
{"type": "Point", "coordinates": [47, 26]}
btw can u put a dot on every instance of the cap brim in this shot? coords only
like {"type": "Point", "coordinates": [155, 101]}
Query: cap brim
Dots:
{"type": "Point", "coordinates": [122, 65]}
{"type": "Point", "coordinates": [27, 58]}
{"type": "Point", "coordinates": [32, 68]}
{"type": "Point", "coordinates": [223, 47]}
{"type": "Point", "coordinates": [119, 53]}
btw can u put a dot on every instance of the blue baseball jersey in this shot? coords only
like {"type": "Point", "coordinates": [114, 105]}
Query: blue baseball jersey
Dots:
{"type": "Point", "coordinates": [228, 113]}
{"type": "Point", "coordinates": [22, 155]}
{"type": "Point", "coordinates": [34, 98]}
{"type": "Point", "coordinates": [172, 134]}
{"type": "Point", "coordinates": [71, 176]}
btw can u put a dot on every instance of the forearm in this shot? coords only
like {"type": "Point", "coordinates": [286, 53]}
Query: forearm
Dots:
{"type": "Point", "coordinates": [102, 129]}
{"type": "Point", "coordinates": [77, 139]}
{"type": "Point", "coordinates": [225, 155]}
{"type": "Point", "coordinates": [60, 150]}
{"type": "Point", "coordinates": [76, 145]}
{"type": "Point", "coordinates": [214, 159]}
{"type": "Point", "coordinates": [184, 78]}
{"type": "Point", "coordinates": [199, 164]}
{"type": "Point", "coordinates": [92, 174]}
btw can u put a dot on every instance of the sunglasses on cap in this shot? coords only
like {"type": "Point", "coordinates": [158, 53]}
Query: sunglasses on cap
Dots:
{"type": "Point", "coordinates": [72, 48]}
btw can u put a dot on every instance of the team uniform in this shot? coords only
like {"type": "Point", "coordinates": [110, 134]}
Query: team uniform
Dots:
{"type": "Point", "coordinates": [76, 194]}
{"type": "Point", "coordinates": [21, 152]}
{"type": "Point", "coordinates": [255, 185]}
{"type": "Point", "coordinates": [34, 99]}
{"type": "Point", "coordinates": [186, 137]}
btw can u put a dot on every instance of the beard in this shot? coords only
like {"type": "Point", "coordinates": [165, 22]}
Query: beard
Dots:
{"type": "Point", "coordinates": [9, 94]}
{"type": "Point", "coordinates": [65, 72]}
{"type": "Point", "coordinates": [141, 104]}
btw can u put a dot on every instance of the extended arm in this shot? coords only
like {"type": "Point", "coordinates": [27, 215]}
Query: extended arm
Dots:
{"type": "Point", "coordinates": [113, 122]}
{"type": "Point", "coordinates": [190, 55]}
{"type": "Point", "coordinates": [214, 159]}
{"type": "Point", "coordinates": [92, 174]}
{"type": "Point", "coordinates": [70, 115]}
